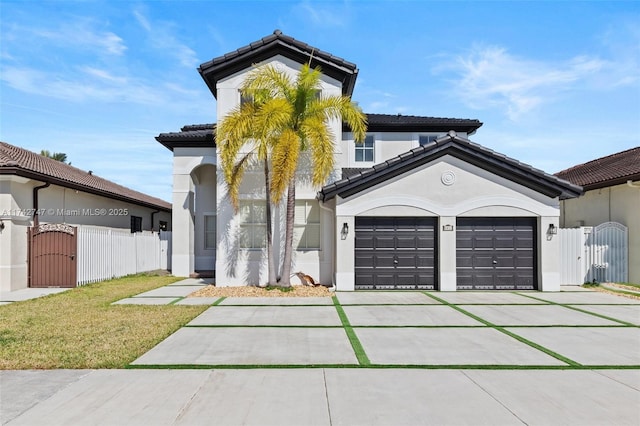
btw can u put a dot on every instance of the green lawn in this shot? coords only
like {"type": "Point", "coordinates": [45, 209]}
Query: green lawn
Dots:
{"type": "Point", "coordinates": [81, 329]}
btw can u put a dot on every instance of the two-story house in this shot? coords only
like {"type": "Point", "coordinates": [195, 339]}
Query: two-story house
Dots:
{"type": "Point", "coordinates": [416, 206]}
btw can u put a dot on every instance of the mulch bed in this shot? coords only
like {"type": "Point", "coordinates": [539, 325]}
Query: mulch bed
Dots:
{"type": "Point", "coordinates": [252, 291]}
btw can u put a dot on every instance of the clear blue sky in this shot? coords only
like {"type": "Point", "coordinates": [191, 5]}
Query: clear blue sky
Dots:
{"type": "Point", "coordinates": [555, 83]}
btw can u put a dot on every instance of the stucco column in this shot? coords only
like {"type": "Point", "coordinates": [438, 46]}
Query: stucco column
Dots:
{"type": "Point", "coordinates": [548, 255]}
{"type": "Point", "coordinates": [182, 256]}
{"type": "Point", "coordinates": [345, 253]}
{"type": "Point", "coordinates": [447, 253]}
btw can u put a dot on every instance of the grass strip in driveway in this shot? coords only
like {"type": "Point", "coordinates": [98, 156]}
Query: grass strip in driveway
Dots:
{"type": "Point", "coordinates": [508, 333]}
{"type": "Point", "coordinates": [575, 308]}
{"type": "Point", "coordinates": [363, 360]}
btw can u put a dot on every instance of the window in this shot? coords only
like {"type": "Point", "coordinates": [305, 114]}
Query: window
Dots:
{"type": "Point", "coordinates": [136, 224]}
{"type": "Point", "coordinates": [366, 150]}
{"type": "Point", "coordinates": [426, 139]}
{"type": "Point", "coordinates": [253, 224]}
{"type": "Point", "coordinates": [245, 98]}
{"type": "Point", "coordinates": [306, 229]}
{"type": "Point", "coordinates": [209, 232]}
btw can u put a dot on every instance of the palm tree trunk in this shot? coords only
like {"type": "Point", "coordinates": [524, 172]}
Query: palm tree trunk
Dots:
{"type": "Point", "coordinates": [270, 260]}
{"type": "Point", "coordinates": [285, 278]}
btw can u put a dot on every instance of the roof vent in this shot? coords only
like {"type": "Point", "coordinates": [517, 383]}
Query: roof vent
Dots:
{"type": "Point", "coordinates": [90, 172]}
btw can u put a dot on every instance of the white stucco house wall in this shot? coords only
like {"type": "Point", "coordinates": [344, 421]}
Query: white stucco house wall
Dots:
{"type": "Point", "coordinates": [416, 206]}
{"type": "Point", "coordinates": [38, 190]}
{"type": "Point", "coordinates": [611, 194]}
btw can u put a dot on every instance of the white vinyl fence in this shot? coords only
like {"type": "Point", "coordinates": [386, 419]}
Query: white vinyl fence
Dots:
{"type": "Point", "coordinates": [597, 254]}
{"type": "Point", "coordinates": [105, 253]}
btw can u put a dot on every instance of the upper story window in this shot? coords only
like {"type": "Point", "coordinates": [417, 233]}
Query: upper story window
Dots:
{"type": "Point", "coordinates": [245, 98]}
{"type": "Point", "coordinates": [426, 139]}
{"type": "Point", "coordinates": [365, 152]}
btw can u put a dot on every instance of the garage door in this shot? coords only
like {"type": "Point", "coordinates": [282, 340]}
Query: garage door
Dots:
{"type": "Point", "coordinates": [395, 253]}
{"type": "Point", "coordinates": [496, 253]}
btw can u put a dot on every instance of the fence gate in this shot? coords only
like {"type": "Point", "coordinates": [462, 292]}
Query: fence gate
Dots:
{"type": "Point", "coordinates": [597, 253]}
{"type": "Point", "coordinates": [609, 245]}
{"type": "Point", "coordinates": [52, 255]}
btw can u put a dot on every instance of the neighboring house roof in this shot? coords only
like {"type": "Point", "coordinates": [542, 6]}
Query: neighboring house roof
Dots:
{"type": "Point", "coordinates": [190, 136]}
{"type": "Point", "coordinates": [278, 44]}
{"type": "Point", "coordinates": [203, 135]}
{"type": "Point", "coordinates": [22, 162]}
{"type": "Point", "coordinates": [611, 170]}
{"type": "Point", "coordinates": [461, 148]}
{"type": "Point", "coordinates": [413, 123]}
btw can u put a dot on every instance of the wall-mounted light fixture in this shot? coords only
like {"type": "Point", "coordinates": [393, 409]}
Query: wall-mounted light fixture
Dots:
{"type": "Point", "coordinates": [552, 229]}
{"type": "Point", "coordinates": [344, 231]}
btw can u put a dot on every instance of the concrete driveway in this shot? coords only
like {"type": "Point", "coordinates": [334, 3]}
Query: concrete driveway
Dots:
{"type": "Point", "coordinates": [384, 358]}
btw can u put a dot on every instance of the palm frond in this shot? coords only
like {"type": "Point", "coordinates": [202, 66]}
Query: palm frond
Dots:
{"type": "Point", "coordinates": [284, 161]}
{"type": "Point", "coordinates": [321, 142]}
{"type": "Point", "coordinates": [235, 180]}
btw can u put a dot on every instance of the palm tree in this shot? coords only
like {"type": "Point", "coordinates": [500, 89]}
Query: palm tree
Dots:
{"type": "Point", "coordinates": [245, 125]}
{"type": "Point", "coordinates": [299, 121]}
{"type": "Point", "coordinates": [58, 156]}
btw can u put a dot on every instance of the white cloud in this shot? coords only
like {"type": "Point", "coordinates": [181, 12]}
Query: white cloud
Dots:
{"type": "Point", "coordinates": [160, 35]}
{"type": "Point", "coordinates": [332, 15]}
{"type": "Point", "coordinates": [490, 77]}
{"type": "Point", "coordinates": [81, 33]}
{"type": "Point", "coordinates": [103, 74]}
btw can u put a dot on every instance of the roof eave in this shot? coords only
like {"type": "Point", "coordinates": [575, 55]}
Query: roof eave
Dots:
{"type": "Point", "coordinates": [18, 171]}
{"type": "Point", "coordinates": [611, 182]}
{"type": "Point", "coordinates": [463, 150]}
{"type": "Point", "coordinates": [212, 72]}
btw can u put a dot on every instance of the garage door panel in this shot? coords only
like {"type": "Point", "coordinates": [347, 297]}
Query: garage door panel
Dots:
{"type": "Point", "coordinates": [425, 241]}
{"type": "Point", "coordinates": [496, 253]}
{"type": "Point", "coordinates": [406, 241]}
{"type": "Point", "coordinates": [426, 261]}
{"type": "Point", "coordinates": [508, 242]}
{"type": "Point", "coordinates": [482, 241]}
{"type": "Point", "coordinates": [364, 260]}
{"type": "Point", "coordinates": [464, 262]}
{"type": "Point", "coordinates": [364, 240]}
{"type": "Point", "coordinates": [395, 253]}
{"type": "Point", "coordinates": [482, 261]}
{"type": "Point", "coordinates": [525, 243]}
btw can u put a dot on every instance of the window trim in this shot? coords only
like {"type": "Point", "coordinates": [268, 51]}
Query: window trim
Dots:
{"type": "Point", "coordinates": [309, 202]}
{"type": "Point", "coordinates": [429, 136]}
{"type": "Point", "coordinates": [205, 232]}
{"type": "Point", "coordinates": [243, 226]}
{"type": "Point", "coordinates": [136, 224]}
{"type": "Point", "coordinates": [364, 150]}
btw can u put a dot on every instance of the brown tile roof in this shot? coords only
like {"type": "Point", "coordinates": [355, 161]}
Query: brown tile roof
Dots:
{"type": "Point", "coordinates": [611, 170]}
{"type": "Point", "coordinates": [22, 162]}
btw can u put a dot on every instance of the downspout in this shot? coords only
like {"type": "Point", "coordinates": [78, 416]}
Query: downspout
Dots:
{"type": "Point", "coordinates": [152, 215]}
{"type": "Point", "coordinates": [35, 202]}
{"type": "Point", "coordinates": [335, 249]}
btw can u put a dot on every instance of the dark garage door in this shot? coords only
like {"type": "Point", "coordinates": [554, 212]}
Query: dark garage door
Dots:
{"type": "Point", "coordinates": [395, 253]}
{"type": "Point", "coordinates": [496, 253]}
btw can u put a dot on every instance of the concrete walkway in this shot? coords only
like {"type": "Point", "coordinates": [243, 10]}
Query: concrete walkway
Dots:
{"type": "Point", "coordinates": [320, 396]}
{"type": "Point", "coordinates": [383, 358]}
